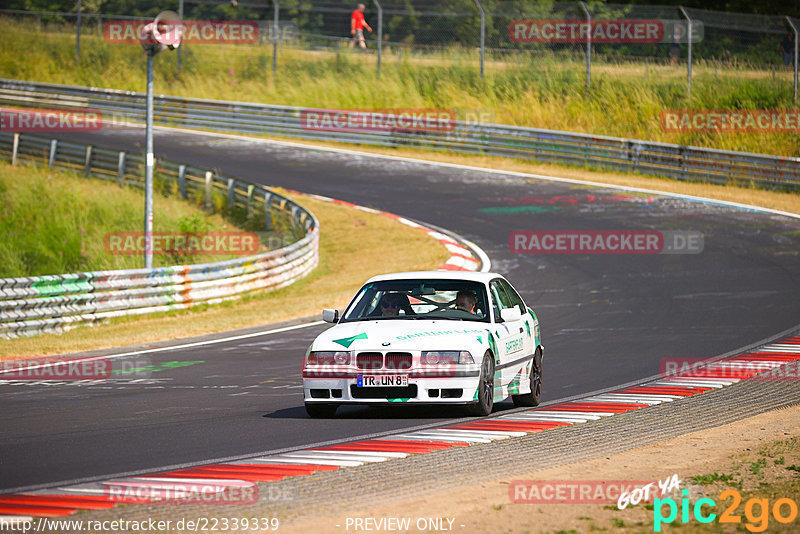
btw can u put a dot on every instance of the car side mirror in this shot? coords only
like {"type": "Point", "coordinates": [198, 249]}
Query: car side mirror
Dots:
{"type": "Point", "coordinates": [510, 314]}
{"type": "Point", "coordinates": [330, 316]}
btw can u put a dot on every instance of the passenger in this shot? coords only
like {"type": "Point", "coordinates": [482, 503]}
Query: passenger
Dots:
{"type": "Point", "coordinates": [391, 304]}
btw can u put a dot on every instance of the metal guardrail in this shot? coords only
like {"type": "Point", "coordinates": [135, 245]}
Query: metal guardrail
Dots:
{"type": "Point", "coordinates": [630, 155]}
{"type": "Point", "coordinates": [44, 304]}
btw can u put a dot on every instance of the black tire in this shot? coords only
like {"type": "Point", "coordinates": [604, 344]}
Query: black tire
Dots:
{"type": "Point", "coordinates": [535, 396]}
{"type": "Point", "coordinates": [483, 406]}
{"type": "Point", "coordinates": [321, 411]}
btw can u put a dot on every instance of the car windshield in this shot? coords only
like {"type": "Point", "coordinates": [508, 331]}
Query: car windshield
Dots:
{"type": "Point", "coordinates": [458, 300]}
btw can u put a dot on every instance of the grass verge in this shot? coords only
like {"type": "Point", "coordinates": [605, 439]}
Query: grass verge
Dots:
{"type": "Point", "coordinates": [56, 222]}
{"type": "Point", "coordinates": [353, 247]}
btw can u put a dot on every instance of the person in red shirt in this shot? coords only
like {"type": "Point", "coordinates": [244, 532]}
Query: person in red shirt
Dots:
{"type": "Point", "coordinates": [357, 25]}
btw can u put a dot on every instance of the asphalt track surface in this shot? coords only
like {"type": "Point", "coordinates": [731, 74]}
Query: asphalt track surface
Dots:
{"type": "Point", "coordinates": [606, 319]}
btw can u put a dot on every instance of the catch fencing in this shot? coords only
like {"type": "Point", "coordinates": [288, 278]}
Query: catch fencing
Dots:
{"type": "Point", "coordinates": [48, 304]}
{"type": "Point", "coordinates": [631, 155]}
{"type": "Point", "coordinates": [495, 34]}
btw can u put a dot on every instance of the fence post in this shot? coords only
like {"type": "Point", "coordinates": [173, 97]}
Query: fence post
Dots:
{"type": "Point", "coordinates": [121, 169]}
{"type": "Point", "coordinates": [796, 50]}
{"type": "Point", "coordinates": [689, 55]}
{"type": "Point", "coordinates": [268, 210]}
{"type": "Point", "coordinates": [275, 38]}
{"type": "Point", "coordinates": [209, 175]}
{"type": "Point", "coordinates": [483, 32]}
{"type": "Point", "coordinates": [88, 161]}
{"type": "Point", "coordinates": [78, 34]}
{"type": "Point", "coordinates": [250, 189]}
{"type": "Point", "coordinates": [182, 180]}
{"type": "Point", "coordinates": [51, 160]}
{"type": "Point", "coordinates": [14, 150]}
{"type": "Point", "coordinates": [231, 193]}
{"type": "Point", "coordinates": [380, 33]}
{"type": "Point", "coordinates": [588, 45]}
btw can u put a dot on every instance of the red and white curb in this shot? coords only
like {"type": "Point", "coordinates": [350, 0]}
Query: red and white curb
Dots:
{"type": "Point", "coordinates": [773, 358]}
{"type": "Point", "coordinates": [462, 257]}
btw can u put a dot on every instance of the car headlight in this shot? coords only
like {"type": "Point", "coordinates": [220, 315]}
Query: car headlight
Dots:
{"type": "Point", "coordinates": [444, 357]}
{"type": "Point", "coordinates": [328, 358]}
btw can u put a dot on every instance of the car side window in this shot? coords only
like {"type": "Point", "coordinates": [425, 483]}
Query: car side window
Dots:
{"type": "Point", "coordinates": [514, 296]}
{"type": "Point", "coordinates": [500, 300]}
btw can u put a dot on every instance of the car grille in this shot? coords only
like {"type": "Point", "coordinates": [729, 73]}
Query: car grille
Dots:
{"type": "Point", "coordinates": [369, 360]}
{"type": "Point", "coordinates": [398, 361]}
{"type": "Point", "coordinates": [408, 392]}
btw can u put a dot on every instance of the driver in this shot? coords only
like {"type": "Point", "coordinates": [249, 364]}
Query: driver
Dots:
{"type": "Point", "coordinates": [466, 301]}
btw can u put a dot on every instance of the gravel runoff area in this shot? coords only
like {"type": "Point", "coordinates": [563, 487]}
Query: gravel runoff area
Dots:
{"type": "Point", "coordinates": [336, 492]}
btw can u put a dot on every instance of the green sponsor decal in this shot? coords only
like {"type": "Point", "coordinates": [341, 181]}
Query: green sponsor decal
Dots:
{"type": "Point", "coordinates": [399, 400]}
{"type": "Point", "coordinates": [514, 345]}
{"type": "Point", "coordinates": [346, 342]}
{"type": "Point", "coordinates": [157, 367]}
{"type": "Point", "coordinates": [441, 333]}
{"type": "Point", "coordinates": [513, 386]}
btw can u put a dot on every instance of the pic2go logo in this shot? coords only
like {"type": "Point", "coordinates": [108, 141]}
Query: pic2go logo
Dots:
{"type": "Point", "coordinates": [756, 511]}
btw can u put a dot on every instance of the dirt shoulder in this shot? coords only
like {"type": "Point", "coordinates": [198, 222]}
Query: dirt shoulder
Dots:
{"type": "Point", "coordinates": [757, 456]}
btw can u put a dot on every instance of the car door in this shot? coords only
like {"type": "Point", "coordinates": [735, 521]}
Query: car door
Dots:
{"type": "Point", "coordinates": [511, 341]}
{"type": "Point", "coordinates": [528, 322]}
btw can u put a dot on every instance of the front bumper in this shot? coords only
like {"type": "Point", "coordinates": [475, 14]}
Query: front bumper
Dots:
{"type": "Point", "coordinates": [425, 386]}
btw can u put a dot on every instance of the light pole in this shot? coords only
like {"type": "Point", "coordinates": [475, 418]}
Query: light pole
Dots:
{"type": "Point", "coordinates": [164, 32]}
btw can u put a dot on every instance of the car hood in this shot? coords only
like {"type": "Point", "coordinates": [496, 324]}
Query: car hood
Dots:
{"type": "Point", "coordinates": [399, 334]}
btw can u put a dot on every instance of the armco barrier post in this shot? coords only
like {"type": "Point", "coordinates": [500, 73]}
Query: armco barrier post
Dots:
{"type": "Point", "coordinates": [121, 169]}
{"type": "Point", "coordinates": [268, 210]}
{"type": "Point", "coordinates": [182, 181]}
{"type": "Point", "coordinates": [689, 54]}
{"type": "Point", "coordinates": [14, 150]}
{"type": "Point", "coordinates": [588, 45]}
{"type": "Point", "coordinates": [88, 161]}
{"type": "Point", "coordinates": [380, 33]}
{"type": "Point", "coordinates": [51, 159]}
{"type": "Point", "coordinates": [231, 193]}
{"type": "Point", "coordinates": [483, 32]}
{"type": "Point", "coordinates": [796, 51]}
{"type": "Point", "coordinates": [209, 176]}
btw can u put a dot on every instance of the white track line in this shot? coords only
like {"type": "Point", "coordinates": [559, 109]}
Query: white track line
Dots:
{"type": "Point", "coordinates": [174, 347]}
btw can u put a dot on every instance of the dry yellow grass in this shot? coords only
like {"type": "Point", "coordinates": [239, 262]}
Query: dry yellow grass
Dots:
{"type": "Point", "coordinates": [353, 247]}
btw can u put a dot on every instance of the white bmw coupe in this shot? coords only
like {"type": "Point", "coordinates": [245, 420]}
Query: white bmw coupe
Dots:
{"type": "Point", "coordinates": [437, 337]}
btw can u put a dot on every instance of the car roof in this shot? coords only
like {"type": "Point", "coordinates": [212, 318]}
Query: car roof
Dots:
{"type": "Point", "coordinates": [437, 275]}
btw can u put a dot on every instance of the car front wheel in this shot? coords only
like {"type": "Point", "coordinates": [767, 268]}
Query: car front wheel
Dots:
{"type": "Point", "coordinates": [535, 396]}
{"type": "Point", "coordinates": [485, 403]}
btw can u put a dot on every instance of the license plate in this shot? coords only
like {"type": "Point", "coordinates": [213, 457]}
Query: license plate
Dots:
{"type": "Point", "coordinates": [382, 381]}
